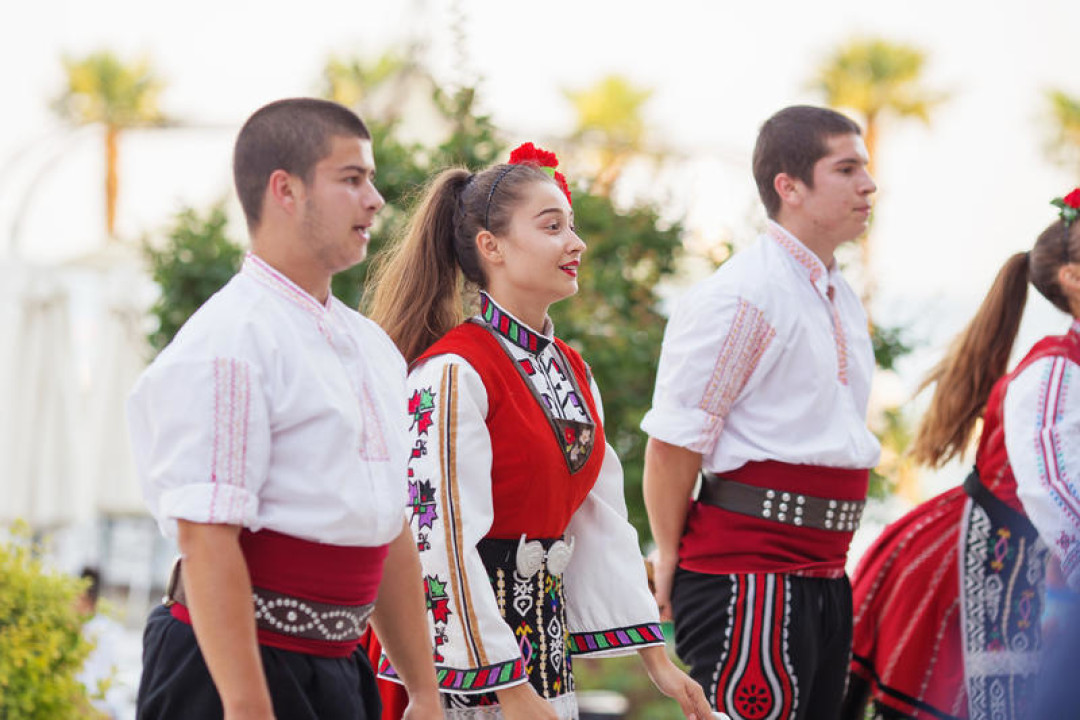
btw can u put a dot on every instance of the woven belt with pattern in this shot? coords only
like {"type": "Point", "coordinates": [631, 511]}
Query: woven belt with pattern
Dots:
{"type": "Point", "coordinates": [780, 506]}
{"type": "Point", "coordinates": [288, 615]}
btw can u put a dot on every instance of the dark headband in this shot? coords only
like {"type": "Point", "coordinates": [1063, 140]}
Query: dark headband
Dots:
{"type": "Point", "coordinates": [491, 194]}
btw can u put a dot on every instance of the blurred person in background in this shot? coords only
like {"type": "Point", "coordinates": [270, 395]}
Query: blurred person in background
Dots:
{"type": "Point", "coordinates": [99, 672]}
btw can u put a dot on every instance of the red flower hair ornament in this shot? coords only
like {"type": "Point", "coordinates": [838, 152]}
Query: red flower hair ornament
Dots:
{"type": "Point", "coordinates": [1069, 210]}
{"type": "Point", "coordinates": [529, 154]}
{"type": "Point", "coordinates": [1068, 206]}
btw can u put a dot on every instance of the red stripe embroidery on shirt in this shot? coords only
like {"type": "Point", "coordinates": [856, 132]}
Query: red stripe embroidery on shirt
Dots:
{"type": "Point", "coordinates": [232, 411]}
{"type": "Point", "coordinates": [815, 270]}
{"type": "Point", "coordinates": [287, 289]}
{"type": "Point", "coordinates": [745, 343]}
{"type": "Point", "coordinates": [372, 443]}
{"type": "Point", "coordinates": [841, 341]}
{"type": "Point", "coordinates": [812, 263]}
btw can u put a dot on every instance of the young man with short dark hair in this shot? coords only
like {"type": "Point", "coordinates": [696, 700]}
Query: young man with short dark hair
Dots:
{"type": "Point", "coordinates": [270, 439]}
{"type": "Point", "coordinates": [762, 391]}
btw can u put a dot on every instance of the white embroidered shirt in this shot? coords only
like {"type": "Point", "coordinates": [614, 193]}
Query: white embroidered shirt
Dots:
{"type": "Point", "coordinates": [1042, 437]}
{"type": "Point", "coordinates": [767, 359]}
{"type": "Point", "coordinates": [272, 410]}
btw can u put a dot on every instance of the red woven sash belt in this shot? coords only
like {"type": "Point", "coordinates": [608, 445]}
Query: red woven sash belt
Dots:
{"type": "Point", "coordinates": [308, 597]}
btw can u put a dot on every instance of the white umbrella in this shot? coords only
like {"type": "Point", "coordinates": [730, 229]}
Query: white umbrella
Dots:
{"type": "Point", "coordinates": [39, 462]}
{"type": "Point", "coordinates": [122, 353]}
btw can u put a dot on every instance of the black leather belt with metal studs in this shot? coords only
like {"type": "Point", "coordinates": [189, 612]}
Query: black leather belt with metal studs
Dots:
{"type": "Point", "coordinates": [780, 506]}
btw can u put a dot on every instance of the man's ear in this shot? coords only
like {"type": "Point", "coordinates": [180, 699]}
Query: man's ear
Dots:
{"type": "Point", "coordinates": [788, 188]}
{"type": "Point", "coordinates": [489, 247]}
{"type": "Point", "coordinates": [284, 190]}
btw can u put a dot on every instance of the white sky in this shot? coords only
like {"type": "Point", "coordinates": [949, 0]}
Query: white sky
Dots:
{"type": "Point", "coordinates": [956, 197]}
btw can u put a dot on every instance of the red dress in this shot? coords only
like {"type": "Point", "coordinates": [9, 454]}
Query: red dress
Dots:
{"type": "Point", "coordinates": [913, 605]}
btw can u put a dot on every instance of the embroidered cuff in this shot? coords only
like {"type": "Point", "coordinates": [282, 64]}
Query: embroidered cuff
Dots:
{"type": "Point", "coordinates": [216, 503]}
{"type": "Point", "coordinates": [616, 641]}
{"type": "Point", "coordinates": [470, 680]}
{"type": "Point", "coordinates": [691, 427]}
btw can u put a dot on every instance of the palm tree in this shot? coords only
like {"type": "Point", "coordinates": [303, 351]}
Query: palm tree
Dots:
{"type": "Point", "coordinates": [103, 89]}
{"type": "Point", "coordinates": [876, 79]}
{"type": "Point", "coordinates": [1065, 112]}
{"type": "Point", "coordinates": [879, 79]}
{"type": "Point", "coordinates": [350, 80]}
{"type": "Point", "coordinates": [609, 117]}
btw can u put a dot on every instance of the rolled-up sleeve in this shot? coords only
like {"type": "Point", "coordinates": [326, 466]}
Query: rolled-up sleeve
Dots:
{"type": "Point", "coordinates": [201, 439]}
{"type": "Point", "coordinates": [714, 345]}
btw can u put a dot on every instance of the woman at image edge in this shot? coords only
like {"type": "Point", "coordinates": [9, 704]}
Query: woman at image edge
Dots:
{"type": "Point", "coordinates": [517, 500]}
{"type": "Point", "coordinates": [948, 599]}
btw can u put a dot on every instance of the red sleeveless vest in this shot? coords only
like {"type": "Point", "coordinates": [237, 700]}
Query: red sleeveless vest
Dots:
{"type": "Point", "coordinates": [534, 492]}
{"type": "Point", "coordinates": [991, 459]}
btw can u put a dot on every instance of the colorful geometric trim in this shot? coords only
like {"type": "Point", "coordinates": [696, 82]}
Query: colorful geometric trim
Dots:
{"type": "Point", "coordinates": [480, 679]}
{"type": "Point", "coordinates": [509, 327]}
{"type": "Point", "coordinates": [647, 634]}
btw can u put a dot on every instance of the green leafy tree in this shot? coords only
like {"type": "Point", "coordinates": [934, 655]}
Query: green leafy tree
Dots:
{"type": "Point", "coordinates": [404, 167]}
{"type": "Point", "coordinates": [610, 121]}
{"type": "Point", "coordinates": [349, 80]}
{"type": "Point", "coordinates": [1065, 115]}
{"type": "Point", "coordinates": [42, 648]}
{"type": "Point", "coordinates": [615, 323]}
{"type": "Point", "coordinates": [196, 260]}
{"type": "Point", "coordinates": [101, 88]}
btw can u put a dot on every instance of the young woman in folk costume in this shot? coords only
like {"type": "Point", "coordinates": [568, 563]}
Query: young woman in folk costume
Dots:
{"type": "Point", "coordinates": [517, 499]}
{"type": "Point", "coordinates": [948, 600]}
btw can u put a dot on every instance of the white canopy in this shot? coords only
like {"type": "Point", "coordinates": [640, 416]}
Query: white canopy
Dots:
{"type": "Point", "coordinates": [41, 478]}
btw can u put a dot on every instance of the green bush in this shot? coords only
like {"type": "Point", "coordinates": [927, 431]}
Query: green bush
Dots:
{"type": "Point", "coordinates": [41, 644]}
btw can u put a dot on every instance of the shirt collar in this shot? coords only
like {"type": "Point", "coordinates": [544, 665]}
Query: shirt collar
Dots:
{"type": "Point", "coordinates": [802, 256]}
{"type": "Point", "coordinates": [261, 271]}
{"type": "Point", "coordinates": [513, 329]}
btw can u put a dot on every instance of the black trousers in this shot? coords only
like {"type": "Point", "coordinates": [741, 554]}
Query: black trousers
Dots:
{"type": "Point", "coordinates": [176, 684]}
{"type": "Point", "coordinates": [765, 646]}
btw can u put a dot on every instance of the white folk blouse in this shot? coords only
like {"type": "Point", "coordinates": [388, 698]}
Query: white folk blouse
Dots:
{"type": "Point", "coordinates": [272, 410]}
{"type": "Point", "coordinates": [1042, 437]}
{"type": "Point", "coordinates": [767, 359]}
